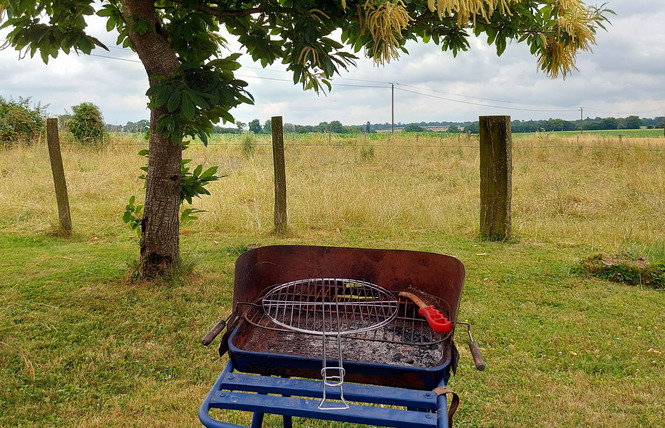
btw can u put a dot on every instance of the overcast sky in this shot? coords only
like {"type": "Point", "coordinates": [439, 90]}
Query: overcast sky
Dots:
{"type": "Point", "coordinates": [623, 76]}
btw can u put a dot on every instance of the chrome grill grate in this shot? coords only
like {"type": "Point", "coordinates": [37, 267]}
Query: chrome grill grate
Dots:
{"type": "Point", "coordinates": [330, 306]}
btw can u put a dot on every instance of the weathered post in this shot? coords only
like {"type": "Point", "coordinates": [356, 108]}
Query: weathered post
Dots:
{"type": "Point", "coordinates": [62, 199]}
{"type": "Point", "coordinates": [495, 177]}
{"type": "Point", "coordinates": [280, 174]}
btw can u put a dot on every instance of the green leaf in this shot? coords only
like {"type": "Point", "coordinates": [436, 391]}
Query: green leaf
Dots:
{"type": "Point", "coordinates": [174, 101]}
{"type": "Point", "coordinates": [210, 172]}
{"type": "Point", "coordinates": [500, 45]}
{"type": "Point", "coordinates": [188, 109]}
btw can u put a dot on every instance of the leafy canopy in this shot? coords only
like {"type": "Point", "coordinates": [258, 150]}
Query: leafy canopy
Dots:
{"type": "Point", "coordinates": [300, 34]}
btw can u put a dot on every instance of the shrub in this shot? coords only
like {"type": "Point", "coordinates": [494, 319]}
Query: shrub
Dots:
{"type": "Point", "coordinates": [624, 269]}
{"type": "Point", "coordinates": [414, 127]}
{"type": "Point", "coordinates": [453, 129]}
{"type": "Point", "coordinates": [367, 153]}
{"type": "Point", "coordinates": [19, 121]}
{"type": "Point", "coordinates": [87, 124]}
{"type": "Point", "coordinates": [248, 143]}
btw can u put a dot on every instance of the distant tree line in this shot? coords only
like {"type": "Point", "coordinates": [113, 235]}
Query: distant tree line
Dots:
{"type": "Point", "coordinates": [22, 121]}
{"type": "Point", "coordinates": [140, 126]}
{"type": "Point", "coordinates": [336, 127]}
{"type": "Point", "coordinates": [598, 123]}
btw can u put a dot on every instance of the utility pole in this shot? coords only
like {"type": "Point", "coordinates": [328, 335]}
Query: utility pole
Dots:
{"type": "Point", "coordinates": [392, 126]}
{"type": "Point", "coordinates": [581, 119]}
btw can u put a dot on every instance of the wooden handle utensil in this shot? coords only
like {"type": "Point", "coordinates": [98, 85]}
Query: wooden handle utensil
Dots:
{"type": "Point", "coordinates": [436, 320]}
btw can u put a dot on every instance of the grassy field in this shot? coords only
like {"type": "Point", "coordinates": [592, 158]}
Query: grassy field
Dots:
{"type": "Point", "coordinates": [82, 345]}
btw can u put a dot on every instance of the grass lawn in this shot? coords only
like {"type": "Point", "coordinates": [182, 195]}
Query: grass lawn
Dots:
{"type": "Point", "coordinates": [82, 345]}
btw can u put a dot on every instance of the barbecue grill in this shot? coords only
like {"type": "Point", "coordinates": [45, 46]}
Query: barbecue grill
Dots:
{"type": "Point", "coordinates": [339, 326]}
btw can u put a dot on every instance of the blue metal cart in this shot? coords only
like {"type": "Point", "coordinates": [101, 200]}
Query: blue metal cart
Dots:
{"type": "Point", "coordinates": [404, 408]}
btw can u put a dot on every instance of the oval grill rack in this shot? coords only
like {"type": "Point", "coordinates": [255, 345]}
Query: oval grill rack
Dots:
{"type": "Point", "coordinates": [330, 306]}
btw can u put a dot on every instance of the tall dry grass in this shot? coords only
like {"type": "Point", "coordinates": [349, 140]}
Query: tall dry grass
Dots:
{"type": "Point", "coordinates": [99, 182]}
{"type": "Point", "coordinates": [335, 188]}
{"type": "Point", "coordinates": [592, 191]}
{"type": "Point", "coordinates": [595, 191]}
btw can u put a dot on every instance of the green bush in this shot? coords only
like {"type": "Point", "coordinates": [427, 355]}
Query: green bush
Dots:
{"type": "Point", "coordinates": [623, 269]}
{"type": "Point", "coordinates": [367, 153]}
{"type": "Point", "coordinates": [87, 124]}
{"type": "Point", "coordinates": [414, 127]}
{"type": "Point", "coordinates": [248, 143]}
{"type": "Point", "coordinates": [19, 121]}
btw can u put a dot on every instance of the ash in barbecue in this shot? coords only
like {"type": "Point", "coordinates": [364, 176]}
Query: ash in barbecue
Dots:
{"type": "Point", "coordinates": [353, 349]}
{"type": "Point", "coordinates": [407, 340]}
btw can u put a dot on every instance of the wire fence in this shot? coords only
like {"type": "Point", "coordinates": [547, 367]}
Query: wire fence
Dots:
{"type": "Point", "coordinates": [462, 141]}
{"type": "Point", "coordinates": [533, 141]}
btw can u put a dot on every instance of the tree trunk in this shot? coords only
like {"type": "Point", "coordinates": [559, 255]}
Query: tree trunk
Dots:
{"type": "Point", "coordinates": [160, 239]}
{"type": "Point", "coordinates": [160, 226]}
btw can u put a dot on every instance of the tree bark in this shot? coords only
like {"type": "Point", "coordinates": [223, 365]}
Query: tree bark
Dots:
{"type": "Point", "coordinates": [160, 240]}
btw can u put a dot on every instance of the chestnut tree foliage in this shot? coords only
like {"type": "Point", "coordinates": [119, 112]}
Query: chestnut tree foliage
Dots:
{"type": "Point", "coordinates": [192, 74]}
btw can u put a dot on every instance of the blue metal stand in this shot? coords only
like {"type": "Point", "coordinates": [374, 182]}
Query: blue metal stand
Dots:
{"type": "Point", "coordinates": [300, 398]}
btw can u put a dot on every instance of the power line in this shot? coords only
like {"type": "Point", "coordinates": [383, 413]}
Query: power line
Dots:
{"type": "Point", "coordinates": [623, 114]}
{"type": "Point", "coordinates": [244, 76]}
{"type": "Point", "coordinates": [382, 85]}
{"type": "Point", "coordinates": [116, 58]}
{"type": "Point", "coordinates": [470, 96]}
{"type": "Point", "coordinates": [481, 104]}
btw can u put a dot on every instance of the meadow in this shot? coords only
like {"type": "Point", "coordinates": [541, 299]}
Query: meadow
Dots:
{"type": "Point", "coordinates": [84, 345]}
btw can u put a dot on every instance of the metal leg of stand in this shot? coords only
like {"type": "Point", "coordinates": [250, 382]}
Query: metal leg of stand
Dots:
{"type": "Point", "coordinates": [287, 420]}
{"type": "Point", "coordinates": [442, 412]}
{"type": "Point", "coordinates": [257, 419]}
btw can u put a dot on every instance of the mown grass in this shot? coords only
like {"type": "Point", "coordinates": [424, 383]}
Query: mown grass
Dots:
{"type": "Point", "coordinates": [81, 345]}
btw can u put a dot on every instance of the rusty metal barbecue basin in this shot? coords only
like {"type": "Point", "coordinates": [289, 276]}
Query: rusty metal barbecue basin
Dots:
{"type": "Point", "coordinates": [328, 325]}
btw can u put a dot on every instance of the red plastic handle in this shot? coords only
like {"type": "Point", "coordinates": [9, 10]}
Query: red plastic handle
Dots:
{"type": "Point", "coordinates": [436, 319]}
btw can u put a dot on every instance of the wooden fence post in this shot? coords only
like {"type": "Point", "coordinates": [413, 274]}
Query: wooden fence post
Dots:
{"type": "Point", "coordinates": [280, 174]}
{"type": "Point", "coordinates": [53, 142]}
{"type": "Point", "coordinates": [495, 177]}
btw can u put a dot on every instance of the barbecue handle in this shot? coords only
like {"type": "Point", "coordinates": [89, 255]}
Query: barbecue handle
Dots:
{"type": "Point", "coordinates": [207, 340]}
{"type": "Point", "coordinates": [477, 356]}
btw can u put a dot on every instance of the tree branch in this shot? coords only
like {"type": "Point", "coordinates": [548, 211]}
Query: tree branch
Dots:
{"type": "Point", "coordinates": [230, 13]}
{"type": "Point", "coordinates": [227, 13]}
